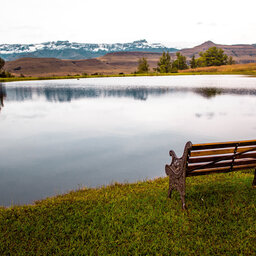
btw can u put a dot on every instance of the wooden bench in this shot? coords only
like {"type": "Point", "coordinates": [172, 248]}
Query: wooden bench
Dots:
{"type": "Point", "coordinates": [200, 159]}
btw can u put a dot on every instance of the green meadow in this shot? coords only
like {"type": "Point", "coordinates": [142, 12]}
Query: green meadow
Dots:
{"type": "Point", "coordinates": [138, 219]}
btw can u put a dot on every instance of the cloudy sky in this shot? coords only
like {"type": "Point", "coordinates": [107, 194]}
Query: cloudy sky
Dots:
{"type": "Point", "coordinates": [182, 23]}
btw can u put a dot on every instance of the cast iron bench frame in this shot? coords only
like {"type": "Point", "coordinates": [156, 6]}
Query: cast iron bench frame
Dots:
{"type": "Point", "coordinates": [201, 159]}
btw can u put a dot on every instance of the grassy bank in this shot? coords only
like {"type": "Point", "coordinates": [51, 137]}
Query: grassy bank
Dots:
{"type": "Point", "coordinates": [238, 69]}
{"type": "Point", "coordinates": [241, 69]}
{"type": "Point", "coordinates": [29, 78]}
{"type": "Point", "coordinates": [138, 219]}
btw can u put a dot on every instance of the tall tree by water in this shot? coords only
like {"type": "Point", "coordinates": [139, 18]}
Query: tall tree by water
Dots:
{"type": "Point", "coordinates": [213, 57]}
{"type": "Point", "coordinates": [164, 65]}
{"type": "Point", "coordinates": [180, 63]}
{"type": "Point", "coordinates": [143, 66]}
{"type": "Point", "coordinates": [193, 62]}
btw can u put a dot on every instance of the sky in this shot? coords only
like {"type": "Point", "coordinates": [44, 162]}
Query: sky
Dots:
{"type": "Point", "coordinates": [182, 23]}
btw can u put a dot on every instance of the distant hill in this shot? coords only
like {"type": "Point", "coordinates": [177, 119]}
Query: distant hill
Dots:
{"type": "Point", "coordinates": [242, 53]}
{"type": "Point", "coordinates": [112, 63]}
{"type": "Point", "coordinates": [68, 50]}
{"type": "Point", "coordinates": [116, 62]}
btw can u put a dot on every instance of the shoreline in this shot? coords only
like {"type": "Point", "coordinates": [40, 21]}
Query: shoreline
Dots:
{"type": "Point", "coordinates": [17, 79]}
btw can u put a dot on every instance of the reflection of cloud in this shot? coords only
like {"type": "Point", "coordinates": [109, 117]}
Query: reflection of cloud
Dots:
{"type": "Point", "coordinates": [212, 24]}
{"type": "Point", "coordinates": [208, 115]}
{"type": "Point", "coordinates": [32, 116]}
{"type": "Point", "coordinates": [24, 27]}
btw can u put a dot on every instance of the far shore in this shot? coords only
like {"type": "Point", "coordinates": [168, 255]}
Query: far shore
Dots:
{"type": "Point", "coordinates": [237, 69]}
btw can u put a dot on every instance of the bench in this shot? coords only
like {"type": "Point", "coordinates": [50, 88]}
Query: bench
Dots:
{"type": "Point", "coordinates": [201, 159]}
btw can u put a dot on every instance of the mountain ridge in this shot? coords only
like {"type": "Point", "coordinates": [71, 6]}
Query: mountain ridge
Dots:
{"type": "Point", "coordinates": [72, 50]}
{"type": "Point", "coordinates": [117, 62]}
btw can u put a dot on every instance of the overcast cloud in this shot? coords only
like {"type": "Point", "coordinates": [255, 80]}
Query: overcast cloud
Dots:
{"type": "Point", "coordinates": [176, 23]}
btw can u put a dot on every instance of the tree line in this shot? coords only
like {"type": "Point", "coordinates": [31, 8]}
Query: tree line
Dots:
{"type": "Point", "coordinates": [212, 57]}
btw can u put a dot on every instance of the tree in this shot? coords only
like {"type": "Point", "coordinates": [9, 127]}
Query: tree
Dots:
{"type": "Point", "coordinates": [193, 62]}
{"type": "Point", "coordinates": [164, 64]}
{"type": "Point", "coordinates": [230, 61]}
{"type": "Point", "coordinates": [2, 62]}
{"type": "Point", "coordinates": [4, 73]}
{"type": "Point", "coordinates": [143, 66]}
{"type": "Point", "coordinates": [180, 63]}
{"type": "Point", "coordinates": [213, 57]}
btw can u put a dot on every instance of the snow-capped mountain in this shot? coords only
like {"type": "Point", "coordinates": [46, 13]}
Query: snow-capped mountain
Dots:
{"type": "Point", "coordinates": [68, 50]}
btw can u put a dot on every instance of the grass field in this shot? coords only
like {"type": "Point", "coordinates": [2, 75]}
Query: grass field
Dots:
{"type": "Point", "coordinates": [247, 69]}
{"type": "Point", "coordinates": [138, 219]}
{"type": "Point", "coordinates": [238, 69]}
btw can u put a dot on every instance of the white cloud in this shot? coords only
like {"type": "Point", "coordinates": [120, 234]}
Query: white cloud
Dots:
{"type": "Point", "coordinates": [34, 21]}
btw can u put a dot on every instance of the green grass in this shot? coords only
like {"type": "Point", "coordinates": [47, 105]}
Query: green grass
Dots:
{"type": "Point", "coordinates": [28, 78]}
{"type": "Point", "coordinates": [138, 219]}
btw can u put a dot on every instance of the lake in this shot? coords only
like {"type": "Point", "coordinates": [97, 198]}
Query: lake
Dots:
{"type": "Point", "coordinates": [61, 135]}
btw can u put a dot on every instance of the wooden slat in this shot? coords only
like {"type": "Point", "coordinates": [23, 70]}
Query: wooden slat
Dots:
{"type": "Point", "coordinates": [223, 144]}
{"type": "Point", "coordinates": [220, 151]}
{"type": "Point", "coordinates": [219, 170]}
{"type": "Point", "coordinates": [221, 164]}
{"type": "Point", "coordinates": [205, 159]}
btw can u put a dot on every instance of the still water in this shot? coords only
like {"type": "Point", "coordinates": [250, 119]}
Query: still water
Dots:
{"type": "Point", "coordinates": [56, 136]}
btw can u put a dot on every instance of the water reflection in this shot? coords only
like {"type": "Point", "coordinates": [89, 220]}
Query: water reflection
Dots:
{"type": "Point", "coordinates": [67, 94]}
{"type": "Point", "coordinates": [208, 92]}
{"type": "Point", "coordinates": [56, 135]}
{"type": "Point", "coordinates": [2, 95]}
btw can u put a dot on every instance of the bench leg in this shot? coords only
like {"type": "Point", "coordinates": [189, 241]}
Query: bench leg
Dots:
{"type": "Point", "coordinates": [254, 180]}
{"type": "Point", "coordinates": [182, 192]}
{"type": "Point", "coordinates": [177, 174]}
{"type": "Point", "coordinates": [177, 182]}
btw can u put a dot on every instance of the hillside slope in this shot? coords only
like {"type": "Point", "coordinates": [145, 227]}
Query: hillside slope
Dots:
{"type": "Point", "coordinates": [112, 63]}
{"type": "Point", "coordinates": [242, 53]}
{"type": "Point", "coordinates": [116, 62]}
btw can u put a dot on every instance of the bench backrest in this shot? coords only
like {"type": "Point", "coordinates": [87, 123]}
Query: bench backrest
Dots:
{"type": "Point", "coordinates": [221, 157]}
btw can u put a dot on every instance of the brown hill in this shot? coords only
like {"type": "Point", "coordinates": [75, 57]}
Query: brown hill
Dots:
{"type": "Point", "coordinates": [112, 63]}
{"type": "Point", "coordinates": [127, 62]}
{"type": "Point", "coordinates": [51, 66]}
{"type": "Point", "coordinates": [242, 53]}
{"type": "Point", "coordinates": [118, 62]}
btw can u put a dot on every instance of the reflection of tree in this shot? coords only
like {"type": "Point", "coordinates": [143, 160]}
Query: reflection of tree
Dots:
{"type": "Point", "coordinates": [69, 93]}
{"type": "Point", "coordinates": [2, 96]}
{"type": "Point", "coordinates": [208, 92]}
{"type": "Point", "coordinates": [19, 93]}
